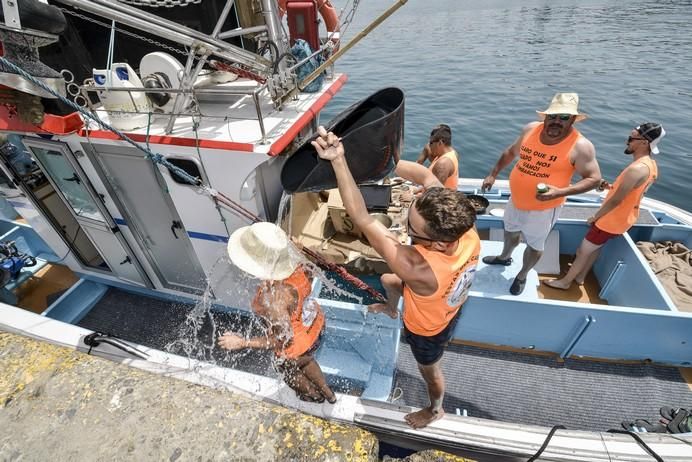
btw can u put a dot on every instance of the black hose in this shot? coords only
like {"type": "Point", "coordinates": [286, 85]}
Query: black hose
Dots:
{"type": "Point", "coordinates": [640, 441]}
{"type": "Point", "coordinates": [545, 443]}
{"type": "Point", "coordinates": [96, 338]}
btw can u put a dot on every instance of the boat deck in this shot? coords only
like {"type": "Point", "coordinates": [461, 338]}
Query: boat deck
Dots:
{"type": "Point", "coordinates": [490, 383]}
{"type": "Point", "coordinates": [538, 389]}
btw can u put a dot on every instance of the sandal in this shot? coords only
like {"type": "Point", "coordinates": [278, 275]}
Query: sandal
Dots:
{"type": "Point", "coordinates": [494, 260]}
{"type": "Point", "coordinates": [517, 286]}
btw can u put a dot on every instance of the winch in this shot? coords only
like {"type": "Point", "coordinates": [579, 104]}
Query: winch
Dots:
{"type": "Point", "coordinates": [12, 261]}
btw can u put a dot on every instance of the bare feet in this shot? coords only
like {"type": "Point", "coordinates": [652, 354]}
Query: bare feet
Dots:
{"type": "Point", "coordinates": [424, 417]}
{"type": "Point", "coordinates": [558, 284]}
{"type": "Point", "coordinates": [383, 308]}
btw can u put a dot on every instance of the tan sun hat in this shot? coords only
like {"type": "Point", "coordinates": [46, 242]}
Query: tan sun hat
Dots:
{"type": "Point", "coordinates": [262, 249]}
{"type": "Point", "coordinates": [563, 103]}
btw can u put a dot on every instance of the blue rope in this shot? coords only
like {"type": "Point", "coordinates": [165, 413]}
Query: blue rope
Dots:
{"type": "Point", "coordinates": [154, 157]}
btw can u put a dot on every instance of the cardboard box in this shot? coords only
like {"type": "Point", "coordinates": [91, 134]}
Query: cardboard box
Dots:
{"type": "Point", "coordinates": [340, 219]}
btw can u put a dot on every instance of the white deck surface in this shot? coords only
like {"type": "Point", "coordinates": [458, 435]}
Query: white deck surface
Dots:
{"type": "Point", "coordinates": [493, 280]}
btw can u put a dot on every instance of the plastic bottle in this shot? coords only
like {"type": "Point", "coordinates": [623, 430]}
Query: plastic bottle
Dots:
{"type": "Point", "coordinates": [542, 188]}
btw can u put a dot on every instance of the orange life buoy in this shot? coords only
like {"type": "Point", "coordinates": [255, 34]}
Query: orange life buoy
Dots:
{"type": "Point", "coordinates": [326, 9]}
{"type": "Point", "coordinates": [328, 13]}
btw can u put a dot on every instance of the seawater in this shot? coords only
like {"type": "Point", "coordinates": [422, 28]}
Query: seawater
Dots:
{"type": "Point", "coordinates": [484, 68]}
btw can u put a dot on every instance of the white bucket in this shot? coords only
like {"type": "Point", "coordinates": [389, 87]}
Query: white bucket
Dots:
{"type": "Point", "coordinates": [122, 105]}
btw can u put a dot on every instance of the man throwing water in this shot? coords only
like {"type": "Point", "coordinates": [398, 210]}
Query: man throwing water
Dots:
{"type": "Point", "coordinates": [433, 274]}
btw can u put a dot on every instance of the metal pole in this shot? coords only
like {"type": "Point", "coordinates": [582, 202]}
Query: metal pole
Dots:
{"type": "Point", "coordinates": [271, 19]}
{"type": "Point", "coordinates": [241, 31]}
{"type": "Point", "coordinates": [316, 73]}
{"type": "Point", "coordinates": [222, 19]}
{"type": "Point", "coordinates": [258, 108]}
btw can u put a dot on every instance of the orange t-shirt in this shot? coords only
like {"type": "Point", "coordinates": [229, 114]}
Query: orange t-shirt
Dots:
{"type": "Point", "coordinates": [622, 217]}
{"type": "Point", "coordinates": [429, 315]}
{"type": "Point", "coordinates": [453, 181]}
{"type": "Point", "coordinates": [541, 163]}
{"type": "Point", "coordinates": [307, 319]}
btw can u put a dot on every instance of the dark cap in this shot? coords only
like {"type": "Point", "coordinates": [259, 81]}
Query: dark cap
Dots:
{"type": "Point", "coordinates": [653, 133]}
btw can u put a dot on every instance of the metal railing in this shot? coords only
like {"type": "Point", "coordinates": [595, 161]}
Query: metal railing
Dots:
{"type": "Point", "coordinates": [194, 110]}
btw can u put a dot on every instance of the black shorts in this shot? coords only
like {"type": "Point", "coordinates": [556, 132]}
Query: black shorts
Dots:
{"type": "Point", "coordinates": [428, 350]}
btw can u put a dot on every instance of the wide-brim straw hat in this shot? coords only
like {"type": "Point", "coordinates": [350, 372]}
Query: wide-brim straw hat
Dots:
{"type": "Point", "coordinates": [564, 103]}
{"type": "Point", "coordinates": [263, 250]}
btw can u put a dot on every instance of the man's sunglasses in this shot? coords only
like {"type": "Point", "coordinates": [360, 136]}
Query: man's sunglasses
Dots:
{"type": "Point", "coordinates": [633, 138]}
{"type": "Point", "coordinates": [564, 117]}
{"type": "Point", "coordinates": [413, 235]}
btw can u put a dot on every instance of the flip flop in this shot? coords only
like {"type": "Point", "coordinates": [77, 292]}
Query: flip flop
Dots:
{"type": "Point", "coordinates": [649, 427]}
{"type": "Point", "coordinates": [517, 286]}
{"type": "Point", "coordinates": [493, 260]}
{"type": "Point", "coordinates": [668, 412]}
{"type": "Point", "coordinates": [677, 424]}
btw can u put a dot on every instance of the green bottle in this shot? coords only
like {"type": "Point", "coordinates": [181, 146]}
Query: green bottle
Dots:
{"type": "Point", "coordinates": [542, 188]}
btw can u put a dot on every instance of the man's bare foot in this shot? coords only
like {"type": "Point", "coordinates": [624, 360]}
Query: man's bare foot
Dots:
{"type": "Point", "coordinates": [558, 284]}
{"type": "Point", "coordinates": [423, 418]}
{"type": "Point", "coordinates": [383, 308]}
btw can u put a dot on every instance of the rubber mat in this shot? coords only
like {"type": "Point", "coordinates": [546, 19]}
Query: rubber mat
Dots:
{"type": "Point", "coordinates": [532, 389]}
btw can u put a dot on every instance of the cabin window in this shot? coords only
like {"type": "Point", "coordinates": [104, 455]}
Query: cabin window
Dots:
{"type": "Point", "coordinates": [189, 166]}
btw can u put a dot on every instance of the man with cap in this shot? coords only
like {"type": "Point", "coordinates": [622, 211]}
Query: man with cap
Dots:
{"type": "Point", "coordinates": [294, 321]}
{"type": "Point", "coordinates": [549, 153]}
{"type": "Point", "coordinates": [433, 274]}
{"type": "Point", "coordinates": [620, 208]}
{"type": "Point", "coordinates": [444, 160]}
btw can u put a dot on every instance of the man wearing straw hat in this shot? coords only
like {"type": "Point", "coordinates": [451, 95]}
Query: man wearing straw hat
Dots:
{"type": "Point", "coordinates": [294, 320]}
{"type": "Point", "coordinates": [433, 275]}
{"type": "Point", "coordinates": [549, 153]}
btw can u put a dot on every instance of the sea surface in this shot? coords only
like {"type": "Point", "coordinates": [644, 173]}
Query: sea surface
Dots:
{"type": "Point", "coordinates": [485, 67]}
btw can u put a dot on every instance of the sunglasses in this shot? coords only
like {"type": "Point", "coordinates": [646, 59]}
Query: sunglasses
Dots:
{"type": "Point", "coordinates": [632, 138]}
{"type": "Point", "coordinates": [413, 235]}
{"type": "Point", "coordinates": [564, 117]}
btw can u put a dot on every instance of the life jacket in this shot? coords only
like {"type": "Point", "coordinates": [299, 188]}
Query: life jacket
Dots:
{"type": "Point", "coordinates": [429, 315]}
{"type": "Point", "coordinates": [453, 181]}
{"type": "Point", "coordinates": [307, 319]}
{"type": "Point", "coordinates": [541, 163]}
{"type": "Point", "coordinates": [625, 214]}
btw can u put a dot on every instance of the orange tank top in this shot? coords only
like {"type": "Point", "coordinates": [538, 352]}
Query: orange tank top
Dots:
{"type": "Point", "coordinates": [453, 181]}
{"type": "Point", "coordinates": [429, 315]}
{"type": "Point", "coordinates": [541, 163]}
{"type": "Point", "coordinates": [622, 217]}
{"type": "Point", "coordinates": [307, 320]}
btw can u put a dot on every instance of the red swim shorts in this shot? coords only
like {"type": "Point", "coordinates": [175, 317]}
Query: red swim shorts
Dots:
{"type": "Point", "coordinates": [598, 236]}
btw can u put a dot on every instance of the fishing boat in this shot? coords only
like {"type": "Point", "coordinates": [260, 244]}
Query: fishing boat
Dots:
{"type": "Point", "coordinates": [122, 185]}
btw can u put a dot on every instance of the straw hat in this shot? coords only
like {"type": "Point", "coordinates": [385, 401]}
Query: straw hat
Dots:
{"type": "Point", "coordinates": [262, 249]}
{"type": "Point", "coordinates": [563, 103]}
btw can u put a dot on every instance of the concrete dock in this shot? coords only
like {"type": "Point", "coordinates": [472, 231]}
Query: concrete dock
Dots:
{"type": "Point", "coordinates": [59, 404]}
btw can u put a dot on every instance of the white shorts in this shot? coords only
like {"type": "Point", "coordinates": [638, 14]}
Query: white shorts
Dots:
{"type": "Point", "coordinates": [534, 225]}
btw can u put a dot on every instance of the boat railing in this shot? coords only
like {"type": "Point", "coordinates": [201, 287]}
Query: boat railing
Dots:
{"type": "Point", "coordinates": [85, 91]}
